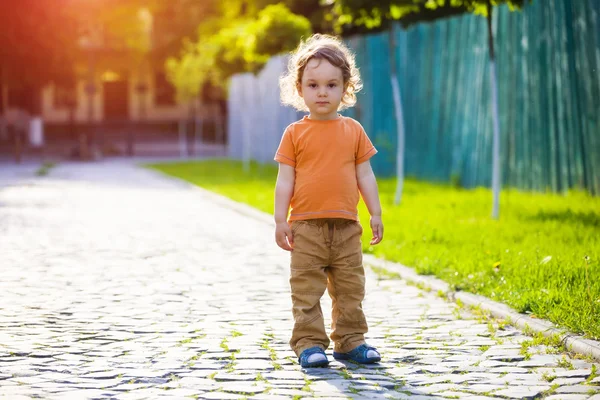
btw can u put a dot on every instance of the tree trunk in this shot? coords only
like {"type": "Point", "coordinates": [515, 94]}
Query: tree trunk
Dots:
{"type": "Point", "coordinates": [399, 115]}
{"type": "Point", "coordinates": [496, 120]}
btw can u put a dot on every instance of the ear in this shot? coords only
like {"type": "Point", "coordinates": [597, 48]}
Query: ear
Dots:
{"type": "Point", "coordinates": [299, 89]}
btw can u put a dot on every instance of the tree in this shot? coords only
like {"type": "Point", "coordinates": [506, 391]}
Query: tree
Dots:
{"type": "Point", "coordinates": [243, 45]}
{"type": "Point", "coordinates": [276, 30]}
{"type": "Point", "coordinates": [176, 23]}
{"type": "Point", "coordinates": [315, 11]}
{"type": "Point", "coordinates": [377, 14]}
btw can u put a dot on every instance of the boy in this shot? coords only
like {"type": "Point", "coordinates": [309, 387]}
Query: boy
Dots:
{"type": "Point", "coordinates": [323, 165]}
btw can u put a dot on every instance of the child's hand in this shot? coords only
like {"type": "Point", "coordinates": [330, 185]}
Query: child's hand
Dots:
{"type": "Point", "coordinates": [377, 228]}
{"type": "Point", "coordinates": [283, 236]}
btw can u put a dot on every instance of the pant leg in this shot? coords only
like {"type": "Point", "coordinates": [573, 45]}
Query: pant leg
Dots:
{"type": "Point", "coordinates": [346, 286]}
{"type": "Point", "coordinates": [308, 281]}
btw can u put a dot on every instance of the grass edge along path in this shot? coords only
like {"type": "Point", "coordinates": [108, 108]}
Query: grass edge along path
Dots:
{"type": "Point", "coordinates": [541, 257]}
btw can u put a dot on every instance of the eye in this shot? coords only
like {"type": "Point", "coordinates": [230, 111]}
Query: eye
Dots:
{"type": "Point", "coordinates": [332, 85]}
{"type": "Point", "coordinates": [312, 85]}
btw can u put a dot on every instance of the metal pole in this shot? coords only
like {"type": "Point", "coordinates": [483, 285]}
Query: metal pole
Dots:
{"type": "Point", "coordinates": [246, 125]}
{"type": "Point", "coordinates": [496, 178]}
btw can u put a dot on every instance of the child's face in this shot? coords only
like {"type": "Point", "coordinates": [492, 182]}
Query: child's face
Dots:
{"type": "Point", "coordinates": [322, 88]}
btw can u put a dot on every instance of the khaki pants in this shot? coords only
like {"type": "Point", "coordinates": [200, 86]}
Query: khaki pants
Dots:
{"type": "Point", "coordinates": [327, 254]}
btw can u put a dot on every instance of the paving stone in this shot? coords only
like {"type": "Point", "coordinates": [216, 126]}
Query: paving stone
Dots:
{"type": "Point", "coordinates": [129, 386]}
{"type": "Point", "coordinates": [234, 377]}
{"type": "Point", "coordinates": [101, 375]}
{"type": "Point", "coordinates": [25, 380]}
{"type": "Point", "coordinates": [287, 384]}
{"type": "Point", "coordinates": [540, 361]}
{"type": "Point", "coordinates": [493, 364]}
{"type": "Point", "coordinates": [284, 375]}
{"type": "Point", "coordinates": [179, 393]}
{"type": "Point", "coordinates": [287, 392]}
{"type": "Point", "coordinates": [246, 388]}
{"type": "Point", "coordinates": [254, 365]}
{"type": "Point", "coordinates": [434, 369]}
{"type": "Point", "coordinates": [483, 388]}
{"type": "Point", "coordinates": [577, 389]}
{"type": "Point", "coordinates": [438, 387]}
{"type": "Point", "coordinates": [199, 383]}
{"type": "Point", "coordinates": [409, 394]}
{"type": "Point", "coordinates": [511, 370]}
{"type": "Point", "coordinates": [388, 384]}
{"type": "Point", "coordinates": [221, 396]}
{"type": "Point", "coordinates": [566, 373]}
{"type": "Point", "coordinates": [522, 392]}
{"type": "Point", "coordinates": [462, 395]}
{"type": "Point", "coordinates": [567, 381]}
{"type": "Point", "coordinates": [325, 397]}
{"type": "Point", "coordinates": [199, 373]}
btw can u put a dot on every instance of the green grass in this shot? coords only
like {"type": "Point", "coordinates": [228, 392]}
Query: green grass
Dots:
{"type": "Point", "coordinates": [541, 257]}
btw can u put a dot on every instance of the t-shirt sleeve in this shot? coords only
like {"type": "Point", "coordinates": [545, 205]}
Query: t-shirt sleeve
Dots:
{"type": "Point", "coordinates": [286, 153]}
{"type": "Point", "coordinates": [365, 149]}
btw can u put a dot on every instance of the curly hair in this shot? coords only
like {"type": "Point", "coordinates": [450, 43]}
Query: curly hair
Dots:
{"type": "Point", "coordinates": [320, 47]}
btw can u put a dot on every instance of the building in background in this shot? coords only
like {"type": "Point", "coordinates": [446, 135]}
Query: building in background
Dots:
{"type": "Point", "coordinates": [119, 93]}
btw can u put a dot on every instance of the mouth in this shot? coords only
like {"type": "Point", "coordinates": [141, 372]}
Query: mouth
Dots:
{"type": "Point", "coordinates": [322, 102]}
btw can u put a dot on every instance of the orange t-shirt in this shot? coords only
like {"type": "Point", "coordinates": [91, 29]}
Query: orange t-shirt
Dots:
{"type": "Point", "coordinates": [324, 155]}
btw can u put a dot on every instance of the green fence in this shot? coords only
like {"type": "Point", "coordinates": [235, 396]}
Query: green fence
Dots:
{"type": "Point", "coordinates": [549, 92]}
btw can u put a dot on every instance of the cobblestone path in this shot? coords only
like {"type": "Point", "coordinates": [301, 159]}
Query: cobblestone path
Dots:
{"type": "Point", "coordinates": [120, 283]}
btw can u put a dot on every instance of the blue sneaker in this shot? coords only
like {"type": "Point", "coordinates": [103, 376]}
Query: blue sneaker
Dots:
{"type": "Point", "coordinates": [362, 354]}
{"type": "Point", "coordinates": [313, 357]}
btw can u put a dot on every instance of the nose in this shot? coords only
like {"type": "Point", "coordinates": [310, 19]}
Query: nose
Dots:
{"type": "Point", "coordinates": [322, 92]}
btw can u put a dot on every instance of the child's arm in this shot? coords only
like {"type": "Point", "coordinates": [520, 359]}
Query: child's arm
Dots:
{"type": "Point", "coordinates": [367, 184]}
{"type": "Point", "coordinates": [284, 189]}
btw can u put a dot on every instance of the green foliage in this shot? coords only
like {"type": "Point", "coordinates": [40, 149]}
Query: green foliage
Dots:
{"type": "Point", "coordinates": [356, 16]}
{"type": "Point", "coordinates": [276, 30]}
{"type": "Point", "coordinates": [231, 54]}
{"type": "Point", "coordinates": [177, 22]}
{"type": "Point", "coordinates": [244, 45]}
{"type": "Point", "coordinates": [313, 10]}
{"type": "Point", "coordinates": [191, 70]}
